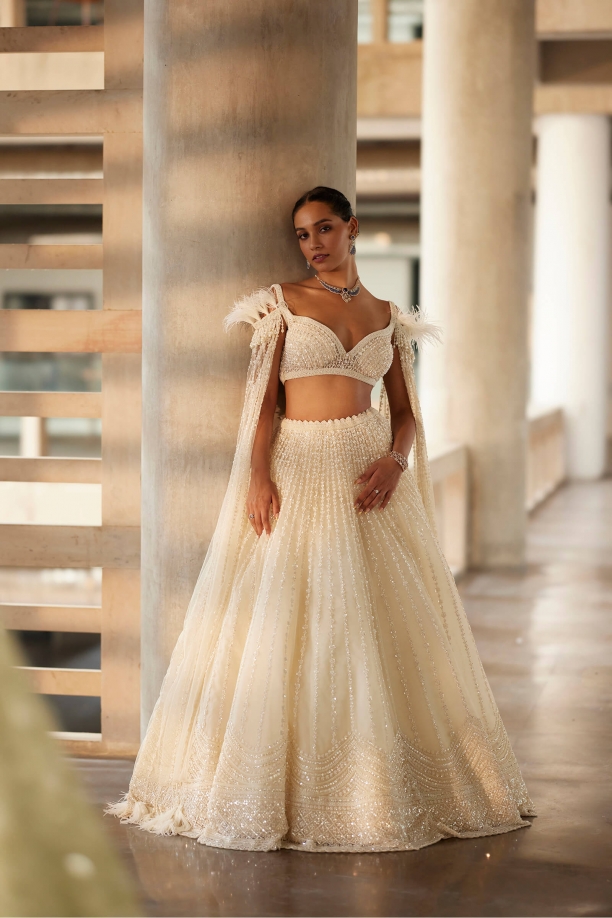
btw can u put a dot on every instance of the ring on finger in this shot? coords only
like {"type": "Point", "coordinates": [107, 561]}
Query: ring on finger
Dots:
{"type": "Point", "coordinates": [251, 516]}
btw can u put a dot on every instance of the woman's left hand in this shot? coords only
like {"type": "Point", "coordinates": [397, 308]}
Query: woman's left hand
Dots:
{"type": "Point", "coordinates": [381, 479]}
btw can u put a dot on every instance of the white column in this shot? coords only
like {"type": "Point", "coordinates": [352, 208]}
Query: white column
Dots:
{"type": "Point", "coordinates": [247, 104]}
{"type": "Point", "coordinates": [32, 438]}
{"type": "Point", "coordinates": [571, 283]}
{"type": "Point", "coordinates": [12, 13]}
{"type": "Point", "coordinates": [477, 136]}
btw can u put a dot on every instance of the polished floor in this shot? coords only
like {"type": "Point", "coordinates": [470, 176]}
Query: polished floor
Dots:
{"type": "Point", "coordinates": [545, 637]}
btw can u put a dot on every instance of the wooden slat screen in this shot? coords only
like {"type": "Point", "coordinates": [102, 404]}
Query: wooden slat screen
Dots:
{"type": "Point", "coordinates": [115, 114]}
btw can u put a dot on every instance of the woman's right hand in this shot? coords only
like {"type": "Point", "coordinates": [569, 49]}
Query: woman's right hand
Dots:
{"type": "Point", "coordinates": [262, 495]}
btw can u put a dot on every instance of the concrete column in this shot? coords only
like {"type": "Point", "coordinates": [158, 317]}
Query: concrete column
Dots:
{"type": "Point", "coordinates": [32, 437]}
{"type": "Point", "coordinates": [12, 13]}
{"type": "Point", "coordinates": [247, 105]}
{"type": "Point", "coordinates": [571, 282]}
{"type": "Point", "coordinates": [477, 105]}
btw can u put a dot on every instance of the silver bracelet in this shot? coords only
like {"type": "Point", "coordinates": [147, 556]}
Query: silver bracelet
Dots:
{"type": "Point", "coordinates": [400, 459]}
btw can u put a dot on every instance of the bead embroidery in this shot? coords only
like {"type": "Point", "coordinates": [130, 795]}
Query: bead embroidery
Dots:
{"type": "Point", "coordinates": [325, 692]}
{"type": "Point", "coordinates": [313, 349]}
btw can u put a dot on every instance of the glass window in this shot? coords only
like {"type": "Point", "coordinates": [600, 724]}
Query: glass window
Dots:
{"type": "Point", "coordinates": [32, 372]}
{"type": "Point", "coordinates": [64, 12]}
{"type": "Point", "coordinates": [18, 299]}
{"type": "Point", "coordinates": [364, 22]}
{"type": "Point", "coordinates": [404, 20]}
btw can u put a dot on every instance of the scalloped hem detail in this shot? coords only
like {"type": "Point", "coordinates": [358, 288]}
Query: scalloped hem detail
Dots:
{"type": "Point", "coordinates": [174, 822]}
{"type": "Point", "coordinates": [329, 371]}
{"type": "Point", "coordinates": [314, 848]}
{"type": "Point", "coordinates": [351, 421]}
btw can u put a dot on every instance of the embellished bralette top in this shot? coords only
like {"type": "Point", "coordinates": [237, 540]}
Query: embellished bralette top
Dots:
{"type": "Point", "coordinates": [313, 349]}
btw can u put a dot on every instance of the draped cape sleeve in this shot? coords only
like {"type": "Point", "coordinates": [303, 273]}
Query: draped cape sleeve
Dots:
{"type": "Point", "coordinates": [213, 586]}
{"type": "Point", "coordinates": [414, 328]}
{"type": "Point", "coordinates": [260, 310]}
{"type": "Point", "coordinates": [178, 705]}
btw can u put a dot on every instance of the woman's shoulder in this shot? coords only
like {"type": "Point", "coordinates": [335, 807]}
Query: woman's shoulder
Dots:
{"type": "Point", "coordinates": [298, 294]}
{"type": "Point", "coordinates": [252, 307]}
{"type": "Point", "coordinates": [416, 324]}
{"type": "Point", "coordinates": [255, 306]}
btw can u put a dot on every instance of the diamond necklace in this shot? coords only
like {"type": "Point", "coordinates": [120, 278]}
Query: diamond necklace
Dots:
{"type": "Point", "coordinates": [344, 292]}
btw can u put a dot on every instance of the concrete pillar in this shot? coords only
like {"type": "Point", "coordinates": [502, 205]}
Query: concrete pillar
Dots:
{"type": "Point", "coordinates": [32, 437]}
{"type": "Point", "coordinates": [12, 13]}
{"type": "Point", "coordinates": [571, 282]}
{"type": "Point", "coordinates": [477, 106]}
{"type": "Point", "coordinates": [247, 105]}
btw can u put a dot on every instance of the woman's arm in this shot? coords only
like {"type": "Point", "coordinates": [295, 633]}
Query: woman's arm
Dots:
{"type": "Point", "coordinates": [262, 490]}
{"type": "Point", "coordinates": [403, 425]}
{"type": "Point", "coordinates": [384, 474]}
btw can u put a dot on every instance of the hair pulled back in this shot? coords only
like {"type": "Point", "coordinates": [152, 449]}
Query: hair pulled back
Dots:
{"type": "Point", "coordinates": [338, 203]}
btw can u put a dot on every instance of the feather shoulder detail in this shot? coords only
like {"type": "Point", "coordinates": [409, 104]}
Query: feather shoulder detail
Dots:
{"type": "Point", "coordinates": [251, 308]}
{"type": "Point", "coordinates": [418, 326]}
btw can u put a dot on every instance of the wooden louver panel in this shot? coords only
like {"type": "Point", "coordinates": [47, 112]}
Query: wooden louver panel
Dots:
{"type": "Point", "coordinates": [50, 404]}
{"type": "Point", "coordinates": [83, 331]}
{"type": "Point", "coordinates": [70, 471]}
{"type": "Point", "coordinates": [51, 681]}
{"type": "Point", "coordinates": [25, 617]}
{"type": "Point", "coordinates": [45, 39]}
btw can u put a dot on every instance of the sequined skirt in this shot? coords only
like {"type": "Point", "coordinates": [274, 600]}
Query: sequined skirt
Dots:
{"type": "Point", "coordinates": [343, 706]}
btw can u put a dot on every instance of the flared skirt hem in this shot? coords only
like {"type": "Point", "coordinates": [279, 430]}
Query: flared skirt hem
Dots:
{"type": "Point", "coordinates": [174, 822]}
{"type": "Point", "coordinates": [330, 697]}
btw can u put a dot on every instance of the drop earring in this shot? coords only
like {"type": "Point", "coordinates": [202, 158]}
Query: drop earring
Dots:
{"type": "Point", "coordinates": [352, 249]}
{"type": "Point", "coordinates": [307, 265]}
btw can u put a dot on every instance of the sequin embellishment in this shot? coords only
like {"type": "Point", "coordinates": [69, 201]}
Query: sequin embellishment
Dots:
{"type": "Point", "coordinates": [326, 692]}
{"type": "Point", "coordinates": [337, 701]}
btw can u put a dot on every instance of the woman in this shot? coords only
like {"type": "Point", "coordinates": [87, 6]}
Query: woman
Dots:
{"type": "Point", "coordinates": [325, 693]}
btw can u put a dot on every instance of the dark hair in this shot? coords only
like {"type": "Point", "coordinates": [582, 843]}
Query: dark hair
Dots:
{"type": "Point", "coordinates": [339, 204]}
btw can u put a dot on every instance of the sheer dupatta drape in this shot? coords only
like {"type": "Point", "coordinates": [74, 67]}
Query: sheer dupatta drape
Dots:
{"type": "Point", "coordinates": [414, 327]}
{"type": "Point", "coordinates": [177, 709]}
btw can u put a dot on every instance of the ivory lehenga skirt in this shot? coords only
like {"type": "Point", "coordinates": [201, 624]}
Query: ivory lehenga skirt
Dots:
{"type": "Point", "coordinates": [343, 705]}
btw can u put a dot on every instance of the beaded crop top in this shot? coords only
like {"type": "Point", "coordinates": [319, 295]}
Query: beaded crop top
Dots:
{"type": "Point", "coordinates": [313, 349]}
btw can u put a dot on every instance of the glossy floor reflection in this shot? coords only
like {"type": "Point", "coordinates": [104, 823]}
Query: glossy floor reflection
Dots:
{"type": "Point", "coordinates": [545, 637]}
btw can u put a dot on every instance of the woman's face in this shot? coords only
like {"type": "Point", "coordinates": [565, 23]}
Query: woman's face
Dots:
{"type": "Point", "coordinates": [323, 236]}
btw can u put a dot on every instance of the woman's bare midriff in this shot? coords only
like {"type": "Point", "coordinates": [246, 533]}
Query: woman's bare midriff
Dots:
{"type": "Point", "coordinates": [321, 398]}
